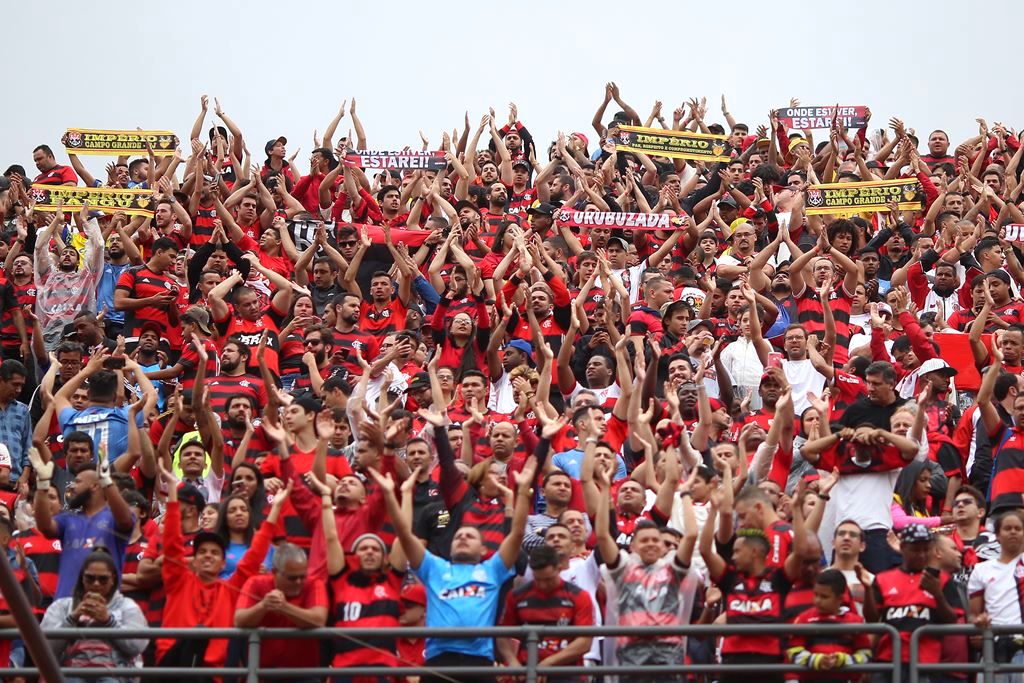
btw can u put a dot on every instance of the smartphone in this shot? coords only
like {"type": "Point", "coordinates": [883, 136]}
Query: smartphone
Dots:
{"type": "Point", "coordinates": [775, 359]}
{"type": "Point", "coordinates": [114, 363]}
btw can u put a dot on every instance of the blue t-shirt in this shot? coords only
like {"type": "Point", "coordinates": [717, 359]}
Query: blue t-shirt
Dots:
{"type": "Point", "coordinates": [571, 462]}
{"type": "Point", "coordinates": [462, 595]}
{"type": "Point", "coordinates": [79, 537]}
{"type": "Point", "coordinates": [234, 555]}
{"type": "Point", "coordinates": [105, 290]}
{"type": "Point", "coordinates": [106, 426]}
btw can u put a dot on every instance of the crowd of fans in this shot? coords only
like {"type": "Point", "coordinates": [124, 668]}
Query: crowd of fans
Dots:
{"type": "Point", "coordinates": [307, 395]}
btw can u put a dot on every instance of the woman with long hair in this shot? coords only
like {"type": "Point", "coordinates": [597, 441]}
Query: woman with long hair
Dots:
{"type": "Point", "coordinates": [237, 526]}
{"type": "Point", "coordinates": [912, 498]}
{"type": "Point", "coordinates": [302, 315]}
{"type": "Point", "coordinates": [96, 602]}
{"type": "Point", "coordinates": [462, 342]}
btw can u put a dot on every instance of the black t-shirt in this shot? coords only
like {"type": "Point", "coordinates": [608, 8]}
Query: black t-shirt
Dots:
{"type": "Point", "coordinates": [863, 411]}
{"type": "Point", "coordinates": [433, 523]}
{"type": "Point", "coordinates": [323, 297]}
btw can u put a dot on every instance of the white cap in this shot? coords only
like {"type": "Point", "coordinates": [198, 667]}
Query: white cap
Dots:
{"type": "Point", "coordinates": [936, 365]}
{"type": "Point", "coordinates": [5, 457]}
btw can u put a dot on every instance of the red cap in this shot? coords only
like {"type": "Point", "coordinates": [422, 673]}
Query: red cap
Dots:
{"type": "Point", "coordinates": [414, 593]}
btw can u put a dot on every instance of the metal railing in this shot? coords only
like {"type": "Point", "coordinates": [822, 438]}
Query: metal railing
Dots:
{"type": "Point", "coordinates": [529, 636]}
{"type": "Point", "coordinates": [988, 666]}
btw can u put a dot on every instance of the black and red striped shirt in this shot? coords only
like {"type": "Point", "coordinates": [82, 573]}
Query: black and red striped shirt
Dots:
{"type": "Point", "coordinates": [566, 605]}
{"type": "Point", "coordinates": [223, 387]}
{"type": "Point", "coordinates": [364, 600]}
{"type": "Point", "coordinates": [753, 600]}
{"type": "Point", "coordinates": [45, 553]}
{"type": "Point", "coordinates": [140, 283]}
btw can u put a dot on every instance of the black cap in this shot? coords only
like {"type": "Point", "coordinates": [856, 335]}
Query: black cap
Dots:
{"type": "Point", "coordinates": [209, 537]}
{"type": "Point", "coordinates": [419, 381]}
{"type": "Point", "coordinates": [190, 495]}
{"type": "Point", "coordinates": [543, 208]}
{"type": "Point", "coordinates": [521, 162]}
{"type": "Point", "coordinates": [915, 533]}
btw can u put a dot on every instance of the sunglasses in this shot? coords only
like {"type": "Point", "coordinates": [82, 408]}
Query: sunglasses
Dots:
{"type": "Point", "coordinates": [347, 244]}
{"type": "Point", "coordinates": [97, 578]}
{"type": "Point", "coordinates": [313, 342]}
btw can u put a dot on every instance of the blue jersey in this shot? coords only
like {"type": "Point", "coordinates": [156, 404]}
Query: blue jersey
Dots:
{"type": "Point", "coordinates": [571, 462]}
{"type": "Point", "coordinates": [462, 595]}
{"type": "Point", "coordinates": [107, 427]}
{"type": "Point", "coordinates": [105, 290]}
{"type": "Point", "coordinates": [79, 537]}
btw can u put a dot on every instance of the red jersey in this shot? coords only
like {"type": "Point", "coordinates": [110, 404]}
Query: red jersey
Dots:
{"type": "Point", "coordinates": [364, 600]}
{"type": "Point", "coordinates": [284, 653]}
{"type": "Point", "coordinates": [382, 322]}
{"type": "Point", "coordinates": [190, 361]}
{"type": "Point", "coordinates": [58, 175]}
{"type": "Point", "coordinates": [753, 600]}
{"type": "Point", "coordinates": [902, 604]}
{"type": "Point", "coordinates": [223, 387]}
{"type": "Point", "coordinates": [803, 646]}
{"type": "Point", "coordinates": [250, 332]}
{"type": "Point", "coordinates": [566, 605]}
{"type": "Point", "coordinates": [139, 282]}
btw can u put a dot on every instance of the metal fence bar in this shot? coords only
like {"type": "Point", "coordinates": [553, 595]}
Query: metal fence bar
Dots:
{"type": "Point", "coordinates": [988, 666]}
{"type": "Point", "coordinates": [529, 635]}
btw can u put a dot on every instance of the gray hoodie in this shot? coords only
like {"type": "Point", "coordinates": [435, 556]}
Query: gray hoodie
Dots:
{"type": "Point", "coordinates": [124, 613]}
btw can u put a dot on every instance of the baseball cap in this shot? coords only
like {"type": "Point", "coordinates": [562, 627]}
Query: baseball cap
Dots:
{"type": "Point", "coordinates": [270, 143]}
{"type": "Point", "coordinates": [581, 136]}
{"type": "Point", "coordinates": [915, 533]}
{"type": "Point", "coordinates": [544, 208]}
{"type": "Point", "coordinates": [209, 537]}
{"type": "Point", "coordinates": [152, 326]}
{"type": "Point", "coordinates": [5, 456]}
{"type": "Point", "coordinates": [620, 241]}
{"type": "Point", "coordinates": [190, 495]}
{"type": "Point", "coordinates": [414, 593]}
{"type": "Point", "coordinates": [671, 307]}
{"type": "Point", "coordinates": [200, 316]}
{"type": "Point", "coordinates": [466, 204]}
{"type": "Point", "coordinates": [694, 324]}
{"type": "Point", "coordinates": [729, 201]}
{"type": "Point", "coordinates": [523, 346]}
{"type": "Point", "coordinates": [419, 381]}
{"type": "Point", "coordinates": [521, 162]}
{"type": "Point", "coordinates": [936, 365]}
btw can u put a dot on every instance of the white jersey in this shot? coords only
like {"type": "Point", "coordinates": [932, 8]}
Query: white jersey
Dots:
{"type": "Point", "coordinates": [997, 583]}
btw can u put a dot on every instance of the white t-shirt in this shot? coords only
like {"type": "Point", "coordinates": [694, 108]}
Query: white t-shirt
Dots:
{"type": "Point", "coordinates": [630, 278]}
{"type": "Point", "coordinates": [997, 583]}
{"type": "Point", "coordinates": [501, 396]}
{"type": "Point", "coordinates": [741, 362]}
{"type": "Point", "coordinates": [803, 378]}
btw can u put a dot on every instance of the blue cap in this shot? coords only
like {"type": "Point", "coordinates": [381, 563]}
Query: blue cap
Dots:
{"type": "Point", "coordinates": [523, 346]}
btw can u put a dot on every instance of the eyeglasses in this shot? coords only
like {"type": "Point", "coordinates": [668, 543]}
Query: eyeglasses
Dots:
{"type": "Point", "coordinates": [97, 578]}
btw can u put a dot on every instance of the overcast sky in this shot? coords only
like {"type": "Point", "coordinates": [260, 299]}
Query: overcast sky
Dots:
{"type": "Point", "coordinates": [283, 68]}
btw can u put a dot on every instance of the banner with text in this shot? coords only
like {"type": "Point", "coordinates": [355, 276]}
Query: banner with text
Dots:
{"type": "Point", "coordinates": [119, 142]}
{"type": "Point", "coordinates": [869, 196]}
{"type": "Point", "coordinates": [801, 118]}
{"type": "Point", "coordinates": [397, 161]}
{"type": "Point", "coordinates": [137, 202]}
{"type": "Point", "coordinates": [619, 219]}
{"type": "Point", "coordinates": [677, 144]}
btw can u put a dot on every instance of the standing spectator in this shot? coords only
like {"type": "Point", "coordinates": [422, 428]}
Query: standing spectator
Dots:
{"type": "Point", "coordinates": [195, 595]}
{"type": "Point", "coordinates": [647, 587]}
{"type": "Point", "coordinates": [993, 588]}
{"type": "Point", "coordinates": [50, 172]}
{"type": "Point", "coordinates": [96, 601]}
{"type": "Point", "coordinates": [147, 293]}
{"type": "Point", "coordinates": [463, 591]}
{"type": "Point", "coordinates": [910, 596]}
{"type": "Point", "coordinates": [548, 600]}
{"type": "Point", "coordinates": [285, 598]}
{"type": "Point", "coordinates": [15, 422]}
{"type": "Point", "coordinates": [64, 288]}
{"type": "Point", "coordinates": [105, 519]}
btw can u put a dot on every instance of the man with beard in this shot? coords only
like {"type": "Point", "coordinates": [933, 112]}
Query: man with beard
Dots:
{"type": "Point", "coordinates": [466, 590]}
{"type": "Point", "coordinates": [349, 338]}
{"type": "Point", "coordinates": [247, 318]}
{"type": "Point", "coordinates": [149, 293]}
{"type": "Point", "coordinates": [64, 290]}
{"type": "Point", "coordinates": [90, 333]}
{"type": "Point", "coordinates": [234, 379]}
{"type": "Point", "coordinates": [19, 290]}
{"type": "Point", "coordinates": [366, 588]}
{"type": "Point", "coordinates": [943, 295]}
{"type": "Point", "coordinates": [121, 255]}
{"type": "Point", "coordinates": [495, 213]}
{"type": "Point", "coordinates": [150, 357]}
{"type": "Point", "coordinates": [103, 518]}
{"type": "Point", "coordinates": [171, 220]}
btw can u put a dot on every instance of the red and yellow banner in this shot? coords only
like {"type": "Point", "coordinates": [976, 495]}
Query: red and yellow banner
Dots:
{"type": "Point", "coordinates": [119, 142]}
{"type": "Point", "coordinates": [137, 202]}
